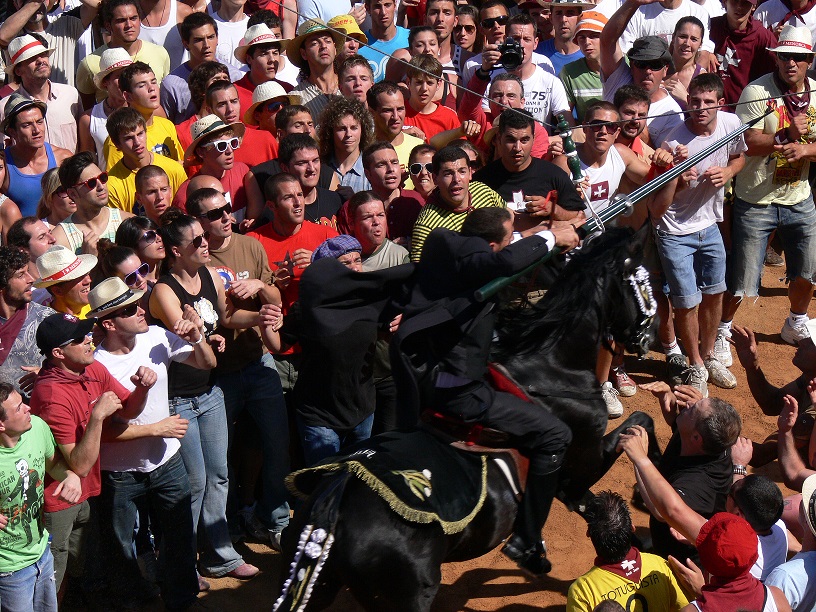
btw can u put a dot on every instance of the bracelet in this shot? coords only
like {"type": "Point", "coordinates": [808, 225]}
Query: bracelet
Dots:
{"type": "Point", "coordinates": [200, 339]}
{"type": "Point", "coordinates": [740, 470]}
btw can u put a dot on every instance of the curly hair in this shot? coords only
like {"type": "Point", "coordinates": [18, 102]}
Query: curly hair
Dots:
{"type": "Point", "coordinates": [338, 109]}
{"type": "Point", "coordinates": [11, 260]}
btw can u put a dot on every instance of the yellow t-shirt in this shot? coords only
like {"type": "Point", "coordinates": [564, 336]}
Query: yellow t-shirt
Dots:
{"type": "Point", "coordinates": [657, 589]}
{"type": "Point", "coordinates": [404, 152]}
{"type": "Point", "coordinates": [153, 55]}
{"type": "Point", "coordinates": [162, 139]}
{"type": "Point", "coordinates": [122, 181]}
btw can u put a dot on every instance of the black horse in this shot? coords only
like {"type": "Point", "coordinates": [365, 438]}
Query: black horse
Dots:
{"type": "Point", "coordinates": [550, 350]}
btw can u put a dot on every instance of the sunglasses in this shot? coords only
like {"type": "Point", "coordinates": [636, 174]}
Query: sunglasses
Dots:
{"type": "Point", "coordinates": [77, 341]}
{"type": "Point", "coordinates": [140, 272]}
{"type": "Point", "coordinates": [221, 145]}
{"type": "Point", "coordinates": [216, 213]}
{"type": "Point", "coordinates": [415, 169]}
{"type": "Point", "coordinates": [653, 65]}
{"type": "Point", "coordinates": [796, 57]}
{"type": "Point", "coordinates": [489, 24]}
{"type": "Point", "coordinates": [199, 240]}
{"type": "Point", "coordinates": [149, 236]}
{"type": "Point", "coordinates": [470, 29]}
{"type": "Point", "coordinates": [91, 182]}
{"type": "Point", "coordinates": [127, 311]}
{"type": "Point", "coordinates": [598, 125]}
{"type": "Point", "coordinates": [274, 107]}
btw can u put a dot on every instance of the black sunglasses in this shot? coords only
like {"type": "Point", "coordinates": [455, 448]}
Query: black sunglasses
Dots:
{"type": "Point", "coordinates": [140, 272]}
{"type": "Point", "coordinates": [415, 169]}
{"type": "Point", "coordinates": [276, 105]}
{"type": "Point", "coordinates": [126, 312]}
{"type": "Point", "coordinates": [653, 65]}
{"type": "Point", "coordinates": [489, 24]}
{"type": "Point", "coordinates": [149, 236]}
{"type": "Point", "coordinates": [597, 125]}
{"type": "Point", "coordinates": [199, 240]}
{"type": "Point", "coordinates": [796, 57]}
{"type": "Point", "coordinates": [470, 29]}
{"type": "Point", "coordinates": [216, 213]}
{"type": "Point", "coordinates": [91, 182]}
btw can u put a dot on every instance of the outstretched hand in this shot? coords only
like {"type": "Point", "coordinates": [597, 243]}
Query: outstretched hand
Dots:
{"type": "Point", "coordinates": [635, 443]}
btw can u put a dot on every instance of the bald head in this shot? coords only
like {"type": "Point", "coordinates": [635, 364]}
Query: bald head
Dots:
{"type": "Point", "coordinates": [201, 181]}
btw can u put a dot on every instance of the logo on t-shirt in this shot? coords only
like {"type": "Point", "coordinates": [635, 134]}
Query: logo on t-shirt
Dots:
{"type": "Point", "coordinates": [162, 149]}
{"type": "Point", "coordinates": [227, 275]}
{"type": "Point", "coordinates": [600, 191]}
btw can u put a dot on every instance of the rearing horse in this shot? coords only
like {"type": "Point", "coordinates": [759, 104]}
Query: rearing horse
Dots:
{"type": "Point", "coordinates": [550, 349]}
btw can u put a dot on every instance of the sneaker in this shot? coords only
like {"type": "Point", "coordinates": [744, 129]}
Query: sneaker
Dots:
{"type": "Point", "coordinates": [719, 375]}
{"type": "Point", "coordinates": [675, 366]}
{"type": "Point", "coordinates": [532, 561]}
{"type": "Point", "coordinates": [697, 377]}
{"type": "Point", "coordinates": [722, 349]}
{"type": "Point", "coordinates": [203, 585]}
{"type": "Point", "coordinates": [610, 396]}
{"type": "Point", "coordinates": [792, 334]}
{"type": "Point", "coordinates": [773, 259]}
{"type": "Point", "coordinates": [256, 529]}
{"type": "Point", "coordinates": [625, 385]}
{"type": "Point", "coordinates": [245, 571]}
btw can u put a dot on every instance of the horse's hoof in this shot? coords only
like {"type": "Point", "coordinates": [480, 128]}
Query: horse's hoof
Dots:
{"type": "Point", "coordinates": [532, 561]}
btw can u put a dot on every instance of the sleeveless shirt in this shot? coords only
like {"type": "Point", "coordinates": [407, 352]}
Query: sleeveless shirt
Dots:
{"type": "Point", "coordinates": [604, 181]}
{"type": "Point", "coordinates": [25, 189]}
{"type": "Point", "coordinates": [167, 36]}
{"type": "Point", "coordinates": [99, 131]}
{"type": "Point", "coordinates": [74, 234]}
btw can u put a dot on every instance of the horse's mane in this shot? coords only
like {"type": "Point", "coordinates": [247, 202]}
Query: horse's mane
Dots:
{"type": "Point", "coordinates": [571, 299]}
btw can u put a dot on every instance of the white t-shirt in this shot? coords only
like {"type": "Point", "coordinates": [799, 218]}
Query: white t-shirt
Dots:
{"type": "Point", "coordinates": [289, 73]}
{"type": "Point", "coordinates": [701, 204]}
{"type": "Point", "coordinates": [666, 115]}
{"type": "Point", "coordinates": [155, 349]}
{"type": "Point", "coordinates": [475, 62]}
{"type": "Point", "coordinates": [322, 9]}
{"type": "Point", "coordinates": [654, 20]}
{"type": "Point", "coordinates": [773, 551]}
{"type": "Point", "coordinates": [544, 96]}
{"type": "Point", "coordinates": [230, 35]}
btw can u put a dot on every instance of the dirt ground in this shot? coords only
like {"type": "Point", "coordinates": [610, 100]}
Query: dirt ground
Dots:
{"type": "Point", "coordinates": [491, 582]}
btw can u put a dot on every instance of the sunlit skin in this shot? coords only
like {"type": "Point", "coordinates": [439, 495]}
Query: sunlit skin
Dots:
{"type": "Point", "coordinates": [423, 91]}
{"type": "Point", "coordinates": [61, 204]}
{"type": "Point", "coordinates": [198, 256]}
{"type": "Point", "coordinates": [384, 172]}
{"type": "Point", "coordinates": [564, 21]}
{"type": "Point", "coordinates": [452, 180]}
{"type": "Point", "coordinates": [128, 266]}
{"type": "Point", "coordinates": [390, 115]}
{"type": "Point", "coordinates": [703, 115]}
{"type": "Point", "coordinates": [423, 182]}
{"type": "Point", "coordinates": [202, 45]}
{"type": "Point", "coordinates": [98, 196]}
{"type": "Point", "coordinates": [346, 135]}
{"type": "Point", "coordinates": [299, 123]}
{"type": "Point", "coordinates": [441, 16]}
{"type": "Point", "coordinates": [634, 113]}
{"type": "Point", "coordinates": [495, 34]}
{"type": "Point", "coordinates": [288, 208]}
{"type": "Point", "coordinates": [648, 78]}
{"type": "Point", "coordinates": [144, 93]}
{"type": "Point", "coordinates": [40, 239]}
{"type": "Point", "coordinates": [687, 42]}
{"type": "Point", "coordinates": [134, 149]}
{"type": "Point", "coordinates": [29, 129]}
{"type": "Point", "coordinates": [319, 50]}
{"type": "Point", "coordinates": [305, 167]}
{"type": "Point", "coordinates": [18, 290]}
{"type": "Point", "coordinates": [465, 32]}
{"type": "Point", "coordinates": [263, 61]}
{"type": "Point", "coordinates": [515, 147]}
{"type": "Point", "coordinates": [124, 25]}
{"type": "Point", "coordinates": [504, 93]}
{"type": "Point", "coordinates": [590, 45]}
{"type": "Point", "coordinates": [792, 71]}
{"type": "Point", "coordinates": [353, 261]}
{"type": "Point", "coordinates": [220, 229]}
{"type": "Point", "coordinates": [212, 160]}
{"type": "Point", "coordinates": [355, 83]}
{"type": "Point", "coordinates": [425, 42]}
{"type": "Point", "coordinates": [226, 105]}
{"type": "Point", "coordinates": [77, 355]}
{"type": "Point", "coordinates": [370, 225]}
{"type": "Point", "coordinates": [72, 295]}
{"type": "Point", "coordinates": [18, 415]}
{"type": "Point", "coordinates": [382, 18]}
{"type": "Point", "coordinates": [526, 36]}
{"type": "Point", "coordinates": [601, 138]}
{"type": "Point", "coordinates": [155, 196]}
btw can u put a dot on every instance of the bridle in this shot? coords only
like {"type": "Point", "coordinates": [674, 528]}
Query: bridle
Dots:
{"type": "Point", "coordinates": [638, 280]}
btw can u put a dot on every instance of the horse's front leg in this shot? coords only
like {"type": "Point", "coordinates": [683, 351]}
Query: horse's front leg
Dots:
{"type": "Point", "coordinates": [610, 440]}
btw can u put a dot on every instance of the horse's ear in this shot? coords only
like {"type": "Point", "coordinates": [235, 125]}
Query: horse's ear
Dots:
{"type": "Point", "coordinates": [637, 245]}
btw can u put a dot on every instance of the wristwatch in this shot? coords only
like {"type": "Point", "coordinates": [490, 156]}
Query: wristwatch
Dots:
{"type": "Point", "coordinates": [740, 470]}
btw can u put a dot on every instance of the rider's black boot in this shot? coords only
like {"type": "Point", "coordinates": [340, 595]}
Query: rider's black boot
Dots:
{"type": "Point", "coordinates": [525, 546]}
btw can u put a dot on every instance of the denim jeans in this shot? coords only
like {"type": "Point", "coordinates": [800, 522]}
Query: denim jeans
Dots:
{"type": "Point", "coordinates": [322, 442]}
{"type": "Point", "coordinates": [204, 451]}
{"type": "Point", "coordinates": [257, 389]}
{"type": "Point", "coordinates": [167, 491]}
{"type": "Point", "coordinates": [31, 589]}
{"type": "Point", "coordinates": [693, 264]}
{"type": "Point", "coordinates": [753, 224]}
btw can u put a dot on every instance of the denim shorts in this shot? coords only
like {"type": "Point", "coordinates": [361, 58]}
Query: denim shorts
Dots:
{"type": "Point", "coordinates": [753, 224]}
{"type": "Point", "coordinates": [693, 264]}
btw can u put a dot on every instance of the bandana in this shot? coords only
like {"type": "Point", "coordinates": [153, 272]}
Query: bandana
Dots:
{"type": "Point", "coordinates": [792, 12]}
{"type": "Point", "coordinates": [728, 594]}
{"type": "Point", "coordinates": [628, 568]}
{"type": "Point", "coordinates": [9, 331]}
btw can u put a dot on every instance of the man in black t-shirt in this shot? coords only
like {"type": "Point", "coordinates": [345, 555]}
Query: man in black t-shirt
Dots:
{"type": "Point", "coordinates": [523, 180]}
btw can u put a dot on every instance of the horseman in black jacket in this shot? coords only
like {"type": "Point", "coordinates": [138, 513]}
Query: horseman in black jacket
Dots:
{"type": "Point", "coordinates": [440, 356]}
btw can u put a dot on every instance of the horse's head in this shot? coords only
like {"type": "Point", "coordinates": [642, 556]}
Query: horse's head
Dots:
{"type": "Point", "coordinates": [631, 318]}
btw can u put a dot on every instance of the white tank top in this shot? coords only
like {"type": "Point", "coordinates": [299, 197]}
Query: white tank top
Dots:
{"type": "Point", "coordinates": [99, 131]}
{"type": "Point", "coordinates": [167, 36]}
{"type": "Point", "coordinates": [604, 181]}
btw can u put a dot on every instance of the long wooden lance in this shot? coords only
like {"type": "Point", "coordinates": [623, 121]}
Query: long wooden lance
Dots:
{"type": "Point", "coordinates": [621, 205]}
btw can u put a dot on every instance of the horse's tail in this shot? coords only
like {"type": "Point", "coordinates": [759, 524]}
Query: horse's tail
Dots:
{"type": "Point", "coordinates": [312, 551]}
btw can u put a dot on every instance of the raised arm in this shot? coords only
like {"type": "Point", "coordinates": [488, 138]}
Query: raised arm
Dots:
{"type": "Point", "coordinates": [794, 471]}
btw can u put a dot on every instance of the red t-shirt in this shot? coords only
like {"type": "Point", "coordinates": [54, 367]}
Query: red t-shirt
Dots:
{"type": "Point", "coordinates": [257, 147]}
{"type": "Point", "coordinates": [440, 120]}
{"type": "Point", "coordinates": [233, 183]}
{"type": "Point", "coordinates": [65, 401]}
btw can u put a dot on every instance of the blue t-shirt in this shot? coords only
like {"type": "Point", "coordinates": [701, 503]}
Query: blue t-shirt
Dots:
{"type": "Point", "coordinates": [379, 60]}
{"type": "Point", "coordinates": [559, 60]}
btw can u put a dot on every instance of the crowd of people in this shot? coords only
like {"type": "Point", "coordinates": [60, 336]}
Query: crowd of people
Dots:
{"type": "Point", "coordinates": [170, 170]}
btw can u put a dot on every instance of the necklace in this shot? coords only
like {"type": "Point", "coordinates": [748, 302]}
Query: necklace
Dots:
{"type": "Point", "coordinates": [146, 20]}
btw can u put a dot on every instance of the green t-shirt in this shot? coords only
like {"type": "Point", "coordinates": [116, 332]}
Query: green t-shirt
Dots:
{"type": "Point", "coordinates": [22, 477]}
{"type": "Point", "coordinates": [583, 86]}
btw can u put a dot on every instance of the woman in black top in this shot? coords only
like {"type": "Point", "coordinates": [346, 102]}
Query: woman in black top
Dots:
{"type": "Point", "coordinates": [190, 289]}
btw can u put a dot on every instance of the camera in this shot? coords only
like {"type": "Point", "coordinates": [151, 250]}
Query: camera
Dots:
{"type": "Point", "coordinates": [512, 53]}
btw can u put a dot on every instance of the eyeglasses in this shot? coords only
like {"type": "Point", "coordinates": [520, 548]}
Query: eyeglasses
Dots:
{"type": "Point", "coordinates": [276, 105]}
{"type": "Point", "coordinates": [76, 341]}
{"type": "Point", "coordinates": [216, 213]}
{"type": "Point", "coordinates": [127, 311]}
{"type": "Point", "coordinates": [489, 24]}
{"type": "Point", "coordinates": [91, 182]}
{"type": "Point", "coordinates": [796, 57]}
{"type": "Point", "coordinates": [149, 237]}
{"type": "Point", "coordinates": [470, 29]}
{"type": "Point", "coordinates": [199, 240]}
{"type": "Point", "coordinates": [653, 65]}
{"type": "Point", "coordinates": [221, 145]}
{"type": "Point", "coordinates": [140, 272]}
{"type": "Point", "coordinates": [598, 125]}
{"type": "Point", "coordinates": [415, 169]}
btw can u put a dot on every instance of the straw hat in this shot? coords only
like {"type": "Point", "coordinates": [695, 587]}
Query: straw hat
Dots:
{"type": "Point", "coordinates": [16, 104]}
{"type": "Point", "coordinates": [264, 93]}
{"type": "Point", "coordinates": [111, 61]}
{"type": "Point", "coordinates": [24, 48]}
{"type": "Point", "coordinates": [258, 34]}
{"type": "Point", "coordinates": [110, 295]}
{"type": "Point", "coordinates": [794, 40]}
{"type": "Point", "coordinates": [309, 28]}
{"type": "Point", "coordinates": [209, 126]}
{"type": "Point", "coordinates": [348, 25]}
{"type": "Point", "coordinates": [59, 264]}
{"type": "Point", "coordinates": [809, 501]}
{"type": "Point", "coordinates": [571, 4]}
